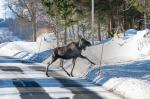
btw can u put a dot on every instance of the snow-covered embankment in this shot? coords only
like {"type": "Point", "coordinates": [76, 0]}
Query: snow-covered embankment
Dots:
{"type": "Point", "coordinates": [125, 66]}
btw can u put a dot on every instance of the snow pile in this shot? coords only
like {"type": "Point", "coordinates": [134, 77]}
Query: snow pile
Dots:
{"type": "Point", "coordinates": [130, 32]}
{"type": "Point", "coordinates": [33, 51]}
{"type": "Point", "coordinates": [131, 80]}
{"type": "Point", "coordinates": [121, 49]}
{"type": "Point", "coordinates": [129, 87]}
{"type": "Point", "coordinates": [125, 65]}
{"type": "Point", "coordinates": [144, 42]}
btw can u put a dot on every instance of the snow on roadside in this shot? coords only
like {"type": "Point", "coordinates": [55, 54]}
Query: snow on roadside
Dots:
{"type": "Point", "coordinates": [121, 49]}
{"type": "Point", "coordinates": [123, 71]}
{"type": "Point", "coordinates": [129, 87]}
{"type": "Point", "coordinates": [123, 80]}
{"type": "Point", "coordinates": [125, 65]}
{"type": "Point", "coordinates": [28, 50]}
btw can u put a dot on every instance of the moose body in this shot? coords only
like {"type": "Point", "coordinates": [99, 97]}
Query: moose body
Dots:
{"type": "Point", "coordinates": [71, 51]}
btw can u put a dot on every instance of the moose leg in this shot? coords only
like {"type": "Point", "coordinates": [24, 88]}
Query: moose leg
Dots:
{"type": "Point", "coordinates": [61, 64]}
{"type": "Point", "coordinates": [81, 56]}
{"type": "Point", "coordinates": [53, 60]}
{"type": "Point", "coordinates": [73, 61]}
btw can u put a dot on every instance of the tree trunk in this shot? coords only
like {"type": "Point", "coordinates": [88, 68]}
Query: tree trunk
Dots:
{"type": "Point", "coordinates": [83, 33]}
{"type": "Point", "coordinates": [56, 34]}
{"type": "Point", "coordinates": [34, 25]}
{"type": "Point", "coordinates": [78, 30]}
{"type": "Point", "coordinates": [56, 31]}
{"type": "Point", "coordinates": [124, 19]}
{"type": "Point", "coordinates": [70, 34]}
{"type": "Point", "coordinates": [65, 34]}
{"type": "Point", "coordinates": [140, 25]}
{"type": "Point", "coordinates": [34, 31]}
{"type": "Point", "coordinates": [57, 39]}
{"type": "Point", "coordinates": [110, 26]}
{"type": "Point", "coordinates": [73, 32]}
{"type": "Point", "coordinates": [99, 30]}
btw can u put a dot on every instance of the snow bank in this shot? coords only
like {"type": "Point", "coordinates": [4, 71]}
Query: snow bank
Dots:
{"type": "Point", "coordinates": [129, 87]}
{"type": "Point", "coordinates": [35, 51]}
{"type": "Point", "coordinates": [130, 32]}
{"type": "Point", "coordinates": [125, 65]}
{"type": "Point", "coordinates": [130, 80]}
{"type": "Point", "coordinates": [121, 49]}
{"type": "Point", "coordinates": [122, 71]}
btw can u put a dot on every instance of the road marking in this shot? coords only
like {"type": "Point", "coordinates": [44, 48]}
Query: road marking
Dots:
{"type": "Point", "coordinates": [23, 81]}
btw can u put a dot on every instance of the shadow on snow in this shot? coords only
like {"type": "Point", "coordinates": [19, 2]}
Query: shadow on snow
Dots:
{"type": "Point", "coordinates": [136, 69]}
{"type": "Point", "coordinates": [36, 58]}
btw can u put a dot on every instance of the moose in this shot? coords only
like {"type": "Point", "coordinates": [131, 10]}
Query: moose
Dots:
{"type": "Point", "coordinates": [71, 51]}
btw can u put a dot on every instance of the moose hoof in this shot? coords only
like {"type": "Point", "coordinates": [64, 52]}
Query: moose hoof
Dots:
{"type": "Point", "coordinates": [93, 63]}
{"type": "Point", "coordinates": [71, 75]}
{"type": "Point", "coordinates": [47, 75]}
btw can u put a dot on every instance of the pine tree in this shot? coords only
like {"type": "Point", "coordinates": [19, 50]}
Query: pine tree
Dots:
{"type": "Point", "coordinates": [65, 11]}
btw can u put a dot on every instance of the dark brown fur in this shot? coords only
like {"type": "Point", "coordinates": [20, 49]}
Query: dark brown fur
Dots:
{"type": "Point", "coordinates": [71, 51]}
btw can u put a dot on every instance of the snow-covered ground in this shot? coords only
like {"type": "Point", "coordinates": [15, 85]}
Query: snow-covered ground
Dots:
{"type": "Point", "coordinates": [125, 65]}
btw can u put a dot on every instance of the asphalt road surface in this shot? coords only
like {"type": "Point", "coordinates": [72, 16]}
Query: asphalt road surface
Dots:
{"type": "Point", "coordinates": [23, 80]}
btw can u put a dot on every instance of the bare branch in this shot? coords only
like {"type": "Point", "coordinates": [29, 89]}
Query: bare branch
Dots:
{"type": "Point", "coordinates": [16, 13]}
{"type": "Point", "coordinates": [29, 10]}
{"type": "Point", "coordinates": [129, 6]}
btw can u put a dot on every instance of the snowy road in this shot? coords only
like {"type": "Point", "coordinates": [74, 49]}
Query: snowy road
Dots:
{"type": "Point", "coordinates": [22, 80]}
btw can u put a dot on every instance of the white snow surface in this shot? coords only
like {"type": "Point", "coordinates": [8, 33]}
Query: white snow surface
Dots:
{"type": "Point", "coordinates": [130, 32]}
{"type": "Point", "coordinates": [125, 65]}
{"type": "Point", "coordinates": [125, 61]}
